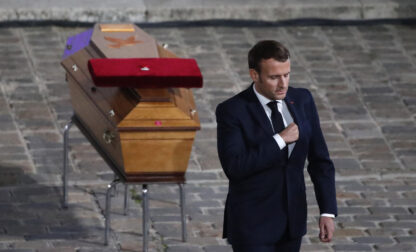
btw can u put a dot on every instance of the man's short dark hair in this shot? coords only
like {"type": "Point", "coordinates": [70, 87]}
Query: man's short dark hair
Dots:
{"type": "Point", "coordinates": [266, 49]}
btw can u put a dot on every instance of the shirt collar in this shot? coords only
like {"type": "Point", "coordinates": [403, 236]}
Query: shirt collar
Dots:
{"type": "Point", "coordinates": [263, 100]}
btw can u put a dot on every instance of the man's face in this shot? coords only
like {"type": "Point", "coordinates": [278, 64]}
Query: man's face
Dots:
{"type": "Point", "coordinates": [273, 79]}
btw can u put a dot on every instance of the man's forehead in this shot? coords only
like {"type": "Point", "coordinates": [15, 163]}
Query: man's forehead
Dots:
{"type": "Point", "coordinates": [272, 60]}
{"type": "Point", "coordinates": [274, 65]}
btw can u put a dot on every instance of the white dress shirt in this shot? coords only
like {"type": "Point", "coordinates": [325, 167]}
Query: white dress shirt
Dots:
{"type": "Point", "coordinates": [287, 119]}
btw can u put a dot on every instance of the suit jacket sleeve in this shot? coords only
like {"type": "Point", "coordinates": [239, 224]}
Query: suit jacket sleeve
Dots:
{"type": "Point", "coordinates": [320, 167]}
{"type": "Point", "coordinates": [239, 158]}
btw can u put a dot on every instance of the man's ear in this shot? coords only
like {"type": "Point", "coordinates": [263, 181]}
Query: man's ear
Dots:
{"type": "Point", "coordinates": [254, 75]}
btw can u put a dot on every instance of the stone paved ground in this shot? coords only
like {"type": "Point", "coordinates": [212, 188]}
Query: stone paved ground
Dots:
{"type": "Point", "coordinates": [363, 79]}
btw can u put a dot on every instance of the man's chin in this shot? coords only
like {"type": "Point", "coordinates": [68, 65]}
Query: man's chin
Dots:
{"type": "Point", "coordinates": [280, 96]}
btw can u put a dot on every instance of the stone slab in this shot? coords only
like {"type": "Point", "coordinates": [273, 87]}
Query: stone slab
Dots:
{"type": "Point", "coordinates": [150, 11]}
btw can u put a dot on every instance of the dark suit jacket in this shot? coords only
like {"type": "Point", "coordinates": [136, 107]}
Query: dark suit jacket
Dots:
{"type": "Point", "coordinates": [259, 204]}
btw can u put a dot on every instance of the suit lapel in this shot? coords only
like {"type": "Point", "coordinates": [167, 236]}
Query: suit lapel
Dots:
{"type": "Point", "coordinates": [290, 103]}
{"type": "Point", "coordinates": [257, 111]}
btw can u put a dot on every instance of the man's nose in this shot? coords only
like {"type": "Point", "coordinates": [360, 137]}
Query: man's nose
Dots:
{"type": "Point", "coordinates": [280, 81]}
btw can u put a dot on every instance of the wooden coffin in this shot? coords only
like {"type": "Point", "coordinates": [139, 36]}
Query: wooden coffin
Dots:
{"type": "Point", "coordinates": [145, 135]}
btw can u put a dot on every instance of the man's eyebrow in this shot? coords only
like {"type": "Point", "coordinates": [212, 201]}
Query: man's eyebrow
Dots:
{"type": "Point", "coordinates": [280, 74]}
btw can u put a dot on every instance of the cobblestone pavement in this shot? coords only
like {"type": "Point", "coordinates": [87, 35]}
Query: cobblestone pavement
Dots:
{"type": "Point", "coordinates": [363, 79]}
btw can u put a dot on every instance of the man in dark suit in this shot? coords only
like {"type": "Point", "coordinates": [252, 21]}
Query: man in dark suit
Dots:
{"type": "Point", "coordinates": [265, 133]}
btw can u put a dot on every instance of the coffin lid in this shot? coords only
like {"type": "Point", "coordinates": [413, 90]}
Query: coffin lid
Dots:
{"type": "Point", "coordinates": [123, 41]}
{"type": "Point", "coordinates": [163, 109]}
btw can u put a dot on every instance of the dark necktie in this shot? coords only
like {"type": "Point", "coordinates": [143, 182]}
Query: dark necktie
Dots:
{"type": "Point", "coordinates": [277, 121]}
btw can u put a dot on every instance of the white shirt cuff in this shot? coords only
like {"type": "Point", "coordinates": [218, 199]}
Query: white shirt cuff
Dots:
{"type": "Point", "coordinates": [279, 141]}
{"type": "Point", "coordinates": [328, 215]}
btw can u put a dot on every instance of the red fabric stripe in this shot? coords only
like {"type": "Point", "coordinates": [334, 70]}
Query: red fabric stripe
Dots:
{"type": "Point", "coordinates": [131, 72]}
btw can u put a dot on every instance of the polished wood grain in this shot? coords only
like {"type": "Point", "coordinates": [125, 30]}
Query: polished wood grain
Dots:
{"type": "Point", "coordinates": [154, 94]}
{"type": "Point", "coordinates": [155, 177]}
{"type": "Point", "coordinates": [156, 155]}
{"type": "Point", "coordinates": [164, 135]}
{"type": "Point", "coordinates": [158, 125]}
{"type": "Point", "coordinates": [133, 177]}
{"type": "Point", "coordinates": [95, 123]}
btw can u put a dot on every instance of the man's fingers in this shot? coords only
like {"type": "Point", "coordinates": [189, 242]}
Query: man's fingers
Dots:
{"type": "Point", "coordinates": [321, 231]}
{"type": "Point", "coordinates": [330, 235]}
{"type": "Point", "coordinates": [330, 232]}
{"type": "Point", "coordinates": [326, 230]}
{"type": "Point", "coordinates": [290, 134]}
{"type": "Point", "coordinates": [321, 236]}
{"type": "Point", "coordinates": [324, 237]}
{"type": "Point", "coordinates": [292, 125]}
